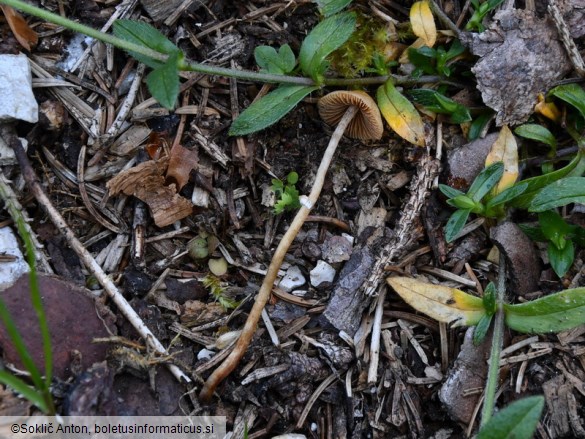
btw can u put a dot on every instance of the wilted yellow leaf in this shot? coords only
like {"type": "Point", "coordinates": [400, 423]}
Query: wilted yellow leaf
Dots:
{"type": "Point", "coordinates": [400, 114]}
{"type": "Point", "coordinates": [423, 22]}
{"type": "Point", "coordinates": [444, 304]}
{"type": "Point", "coordinates": [504, 150]}
{"type": "Point", "coordinates": [547, 109]}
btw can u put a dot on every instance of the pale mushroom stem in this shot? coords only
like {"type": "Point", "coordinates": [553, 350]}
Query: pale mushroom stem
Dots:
{"type": "Point", "coordinates": [231, 362]}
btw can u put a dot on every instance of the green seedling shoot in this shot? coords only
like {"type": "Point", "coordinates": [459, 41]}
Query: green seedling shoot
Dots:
{"type": "Point", "coordinates": [560, 238]}
{"type": "Point", "coordinates": [287, 194]}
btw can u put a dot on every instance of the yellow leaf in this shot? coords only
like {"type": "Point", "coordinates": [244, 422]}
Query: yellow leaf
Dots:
{"type": "Point", "coordinates": [547, 109]}
{"type": "Point", "coordinates": [400, 114]}
{"type": "Point", "coordinates": [423, 23]}
{"type": "Point", "coordinates": [504, 150]}
{"type": "Point", "coordinates": [444, 304]}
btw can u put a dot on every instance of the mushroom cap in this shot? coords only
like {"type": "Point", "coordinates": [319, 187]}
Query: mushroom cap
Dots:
{"type": "Point", "coordinates": [367, 123]}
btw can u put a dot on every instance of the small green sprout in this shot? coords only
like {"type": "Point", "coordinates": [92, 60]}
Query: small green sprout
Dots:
{"type": "Point", "coordinates": [560, 238]}
{"type": "Point", "coordinates": [217, 290]}
{"type": "Point", "coordinates": [435, 61]}
{"type": "Point", "coordinates": [480, 10]}
{"type": "Point", "coordinates": [288, 195]}
{"type": "Point", "coordinates": [478, 200]}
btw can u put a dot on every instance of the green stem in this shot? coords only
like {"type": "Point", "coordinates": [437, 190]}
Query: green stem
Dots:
{"type": "Point", "coordinates": [205, 68]}
{"type": "Point", "coordinates": [491, 386]}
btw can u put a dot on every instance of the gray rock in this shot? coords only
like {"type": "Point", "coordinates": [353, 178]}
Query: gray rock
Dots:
{"type": "Point", "coordinates": [18, 101]}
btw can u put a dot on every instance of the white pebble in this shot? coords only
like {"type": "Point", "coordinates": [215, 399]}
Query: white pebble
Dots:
{"type": "Point", "coordinates": [293, 279]}
{"type": "Point", "coordinates": [322, 273]}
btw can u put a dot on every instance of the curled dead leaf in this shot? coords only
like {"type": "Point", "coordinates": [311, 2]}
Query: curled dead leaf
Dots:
{"type": "Point", "coordinates": [182, 161]}
{"type": "Point", "coordinates": [147, 183]}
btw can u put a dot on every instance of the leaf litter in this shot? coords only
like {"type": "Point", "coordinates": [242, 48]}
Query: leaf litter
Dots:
{"type": "Point", "coordinates": [323, 332]}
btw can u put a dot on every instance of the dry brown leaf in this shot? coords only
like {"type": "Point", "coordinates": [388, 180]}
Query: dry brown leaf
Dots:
{"type": "Point", "coordinates": [181, 163]}
{"type": "Point", "coordinates": [146, 183]}
{"type": "Point", "coordinates": [423, 22]}
{"type": "Point", "coordinates": [27, 37]}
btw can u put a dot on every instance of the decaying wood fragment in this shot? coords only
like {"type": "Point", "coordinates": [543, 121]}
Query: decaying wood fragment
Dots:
{"type": "Point", "coordinates": [409, 229]}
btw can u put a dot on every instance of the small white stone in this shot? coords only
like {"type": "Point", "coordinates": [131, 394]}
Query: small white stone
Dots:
{"type": "Point", "coordinates": [322, 273]}
{"type": "Point", "coordinates": [205, 354]}
{"type": "Point", "coordinates": [292, 279]}
{"type": "Point", "coordinates": [18, 101]}
{"type": "Point", "coordinates": [10, 271]}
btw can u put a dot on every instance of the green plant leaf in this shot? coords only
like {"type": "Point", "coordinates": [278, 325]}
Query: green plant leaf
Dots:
{"type": "Point", "coordinates": [478, 125]}
{"type": "Point", "coordinates": [423, 58]}
{"type": "Point", "coordinates": [325, 38]}
{"type": "Point", "coordinates": [535, 184]}
{"type": "Point", "coordinates": [507, 195]}
{"type": "Point", "coordinates": [462, 202]}
{"type": "Point", "coordinates": [485, 181]}
{"type": "Point", "coordinates": [456, 223]}
{"type": "Point", "coordinates": [24, 389]}
{"type": "Point", "coordinates": [330, 7]}
{"type": "Point", "coordinates": [139, 32]}
{"type": "Point", "coordinates": [516, 421]}
{"type": "Point", "coordinates": [442, 303]}
{"type": "Point", "coordinates": [489, 299]}
{"type": "Point", "coordinates": [538, 133]}
{"type": "Point", "coordinates": [481, 329]}
{"type": "Point", "coordinates": [572, 94]}
{"type": "Point", "coordinates": [560, 193]}
{"type": "Point", "coordinates": [553, 313]}
{"type": "Point", "coordinates": [449, 191]}
{"type": "Point", "coordinates": [400, 114]}
{"type": "Point", "coordinates": [271, 61]}
{"type": "Point", "coordinates": [163, 82]}
{"type": "Point", "coordinates": [554, 228]}
{"type": "Point", "coordinates": [561, 259]}
{"type": "Point", "coordinates": [533, 233]}
{"type": "Point", "coordinates": [292, 177]}
{"type": "Point", "coordinates": [270, 109]}
{"type": "Point", "coordinates": [438, 103]}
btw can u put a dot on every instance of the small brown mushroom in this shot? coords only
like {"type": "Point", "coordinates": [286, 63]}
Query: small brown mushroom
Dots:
{"type": "Point", "coordinates": [366, 124]}
{"type": "Point", "coordinates": [354, 112]}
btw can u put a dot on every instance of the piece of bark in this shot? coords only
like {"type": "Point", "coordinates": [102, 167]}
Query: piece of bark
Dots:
{"type": "Point", "coordinates": [522, 263]}
{"type": "Point", "coordinates": [160, 10]}
{"type": "Point", "coordinates": [347, 303]}
{"type": "Point", "coordinates": [468, 372]}
{"type": "Point", "coordinates": [521, 56]}
{"type": "Point", "coordinates": [555, 395]}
